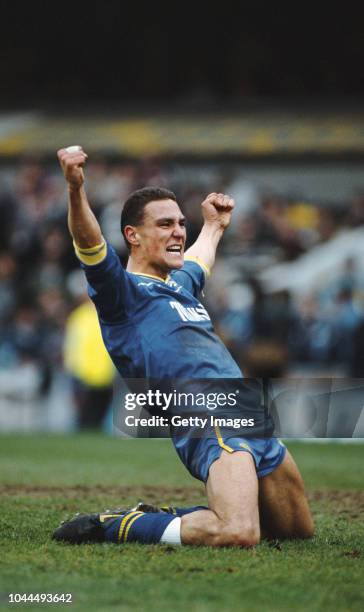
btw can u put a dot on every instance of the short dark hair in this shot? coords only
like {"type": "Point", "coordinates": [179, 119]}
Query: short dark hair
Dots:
{"type": "Point", "coordinates": [133, 209]}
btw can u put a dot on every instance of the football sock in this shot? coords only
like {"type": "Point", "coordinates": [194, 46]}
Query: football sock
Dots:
{"type": "Point", "coordinates": [143, 527]}
{"type": "Point", "coordinates": [182, 511]}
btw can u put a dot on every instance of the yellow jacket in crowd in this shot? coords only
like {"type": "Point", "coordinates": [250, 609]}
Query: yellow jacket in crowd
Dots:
{"type": "Point", "coordinates": [85, 356]}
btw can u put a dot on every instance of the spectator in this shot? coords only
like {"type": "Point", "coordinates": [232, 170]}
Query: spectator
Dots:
{"type": "Point", "coordinates": [86, 359]}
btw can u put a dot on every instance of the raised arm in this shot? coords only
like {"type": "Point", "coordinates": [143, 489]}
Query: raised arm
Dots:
{"type": "Point", "coordinates": [82, 222]}
{"type": "Point", "coordinates": [216, 211]}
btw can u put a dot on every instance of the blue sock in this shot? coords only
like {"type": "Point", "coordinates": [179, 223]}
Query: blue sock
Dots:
{"type": "Point", "coordinates": [183, 511]}
{"type": "Point", "coordinates": [144, 527]}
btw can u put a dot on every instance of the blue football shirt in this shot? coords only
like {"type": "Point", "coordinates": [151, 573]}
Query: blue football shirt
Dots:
{"type": "Point", "coordinates": [154, 328]}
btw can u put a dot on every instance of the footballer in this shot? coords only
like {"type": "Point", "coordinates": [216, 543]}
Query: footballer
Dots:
{"type": "Point", "coordinates": [253, 486]}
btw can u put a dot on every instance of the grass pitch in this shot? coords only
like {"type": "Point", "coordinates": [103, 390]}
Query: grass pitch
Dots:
{"type": "Point", "coordinates": [46, 478]}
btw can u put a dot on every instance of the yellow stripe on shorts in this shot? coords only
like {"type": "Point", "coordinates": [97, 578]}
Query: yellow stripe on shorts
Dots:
{"type": "Point", "coordinates": [221, 441]}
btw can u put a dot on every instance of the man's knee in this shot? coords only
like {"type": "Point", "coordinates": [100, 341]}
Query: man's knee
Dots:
{"type": "Point", "coordinates": [244, 534]}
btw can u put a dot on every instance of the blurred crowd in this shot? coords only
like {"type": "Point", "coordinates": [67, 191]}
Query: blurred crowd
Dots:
{"type": "Point", "coordinates": [271, 331]}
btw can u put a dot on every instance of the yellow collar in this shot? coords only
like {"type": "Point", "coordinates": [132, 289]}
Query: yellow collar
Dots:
{"type": "Point", "coordinates": [151, 276]}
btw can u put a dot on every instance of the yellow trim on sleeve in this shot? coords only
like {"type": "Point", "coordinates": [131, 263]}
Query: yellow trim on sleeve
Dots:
{"type": "Point", "coordinates": [93, 255]}
{"type": "Point", "coordinates": [202, 265]}
{"type": "Point", "coordinates": [221, 441]}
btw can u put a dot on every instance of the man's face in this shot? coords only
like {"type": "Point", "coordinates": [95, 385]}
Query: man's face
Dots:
{"type": "Point", "coordinates": [162, 236]}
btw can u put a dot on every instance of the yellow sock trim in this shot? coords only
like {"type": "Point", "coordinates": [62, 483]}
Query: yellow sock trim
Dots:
{"type": "Point", "coordinates": [103, 517]}
{"type": "Point", "coordinates": [124, 522]}
{"type": "Point", "coordinates": [125, 537]}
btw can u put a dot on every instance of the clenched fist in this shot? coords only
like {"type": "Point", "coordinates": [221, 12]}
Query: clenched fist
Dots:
{"type": "Point", "coordinates": [217, 209]}
{"type": "Point", "coordinates": [72, 163]}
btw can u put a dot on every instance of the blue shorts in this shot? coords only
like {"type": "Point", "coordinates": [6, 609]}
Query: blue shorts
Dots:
{"type": "Point", "coordinates": [198, 454]}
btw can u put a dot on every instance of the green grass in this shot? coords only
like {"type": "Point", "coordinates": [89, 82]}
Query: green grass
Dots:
{"type": "Point", "coordinates": [45, 478]}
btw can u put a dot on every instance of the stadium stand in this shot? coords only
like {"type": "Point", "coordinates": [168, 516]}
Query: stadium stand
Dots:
{"type": "Point", "coordinates": [288, 293]}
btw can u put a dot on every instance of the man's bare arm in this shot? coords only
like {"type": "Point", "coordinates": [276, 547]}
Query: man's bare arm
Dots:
{"type": "Point", "coordinates": [82, 222]}
{"type": "Point", "coordinates": [216, 210]}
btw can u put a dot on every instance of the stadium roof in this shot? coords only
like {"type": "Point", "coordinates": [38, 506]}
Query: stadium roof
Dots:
{"type": "Point", "coordinates": [251, 135]}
